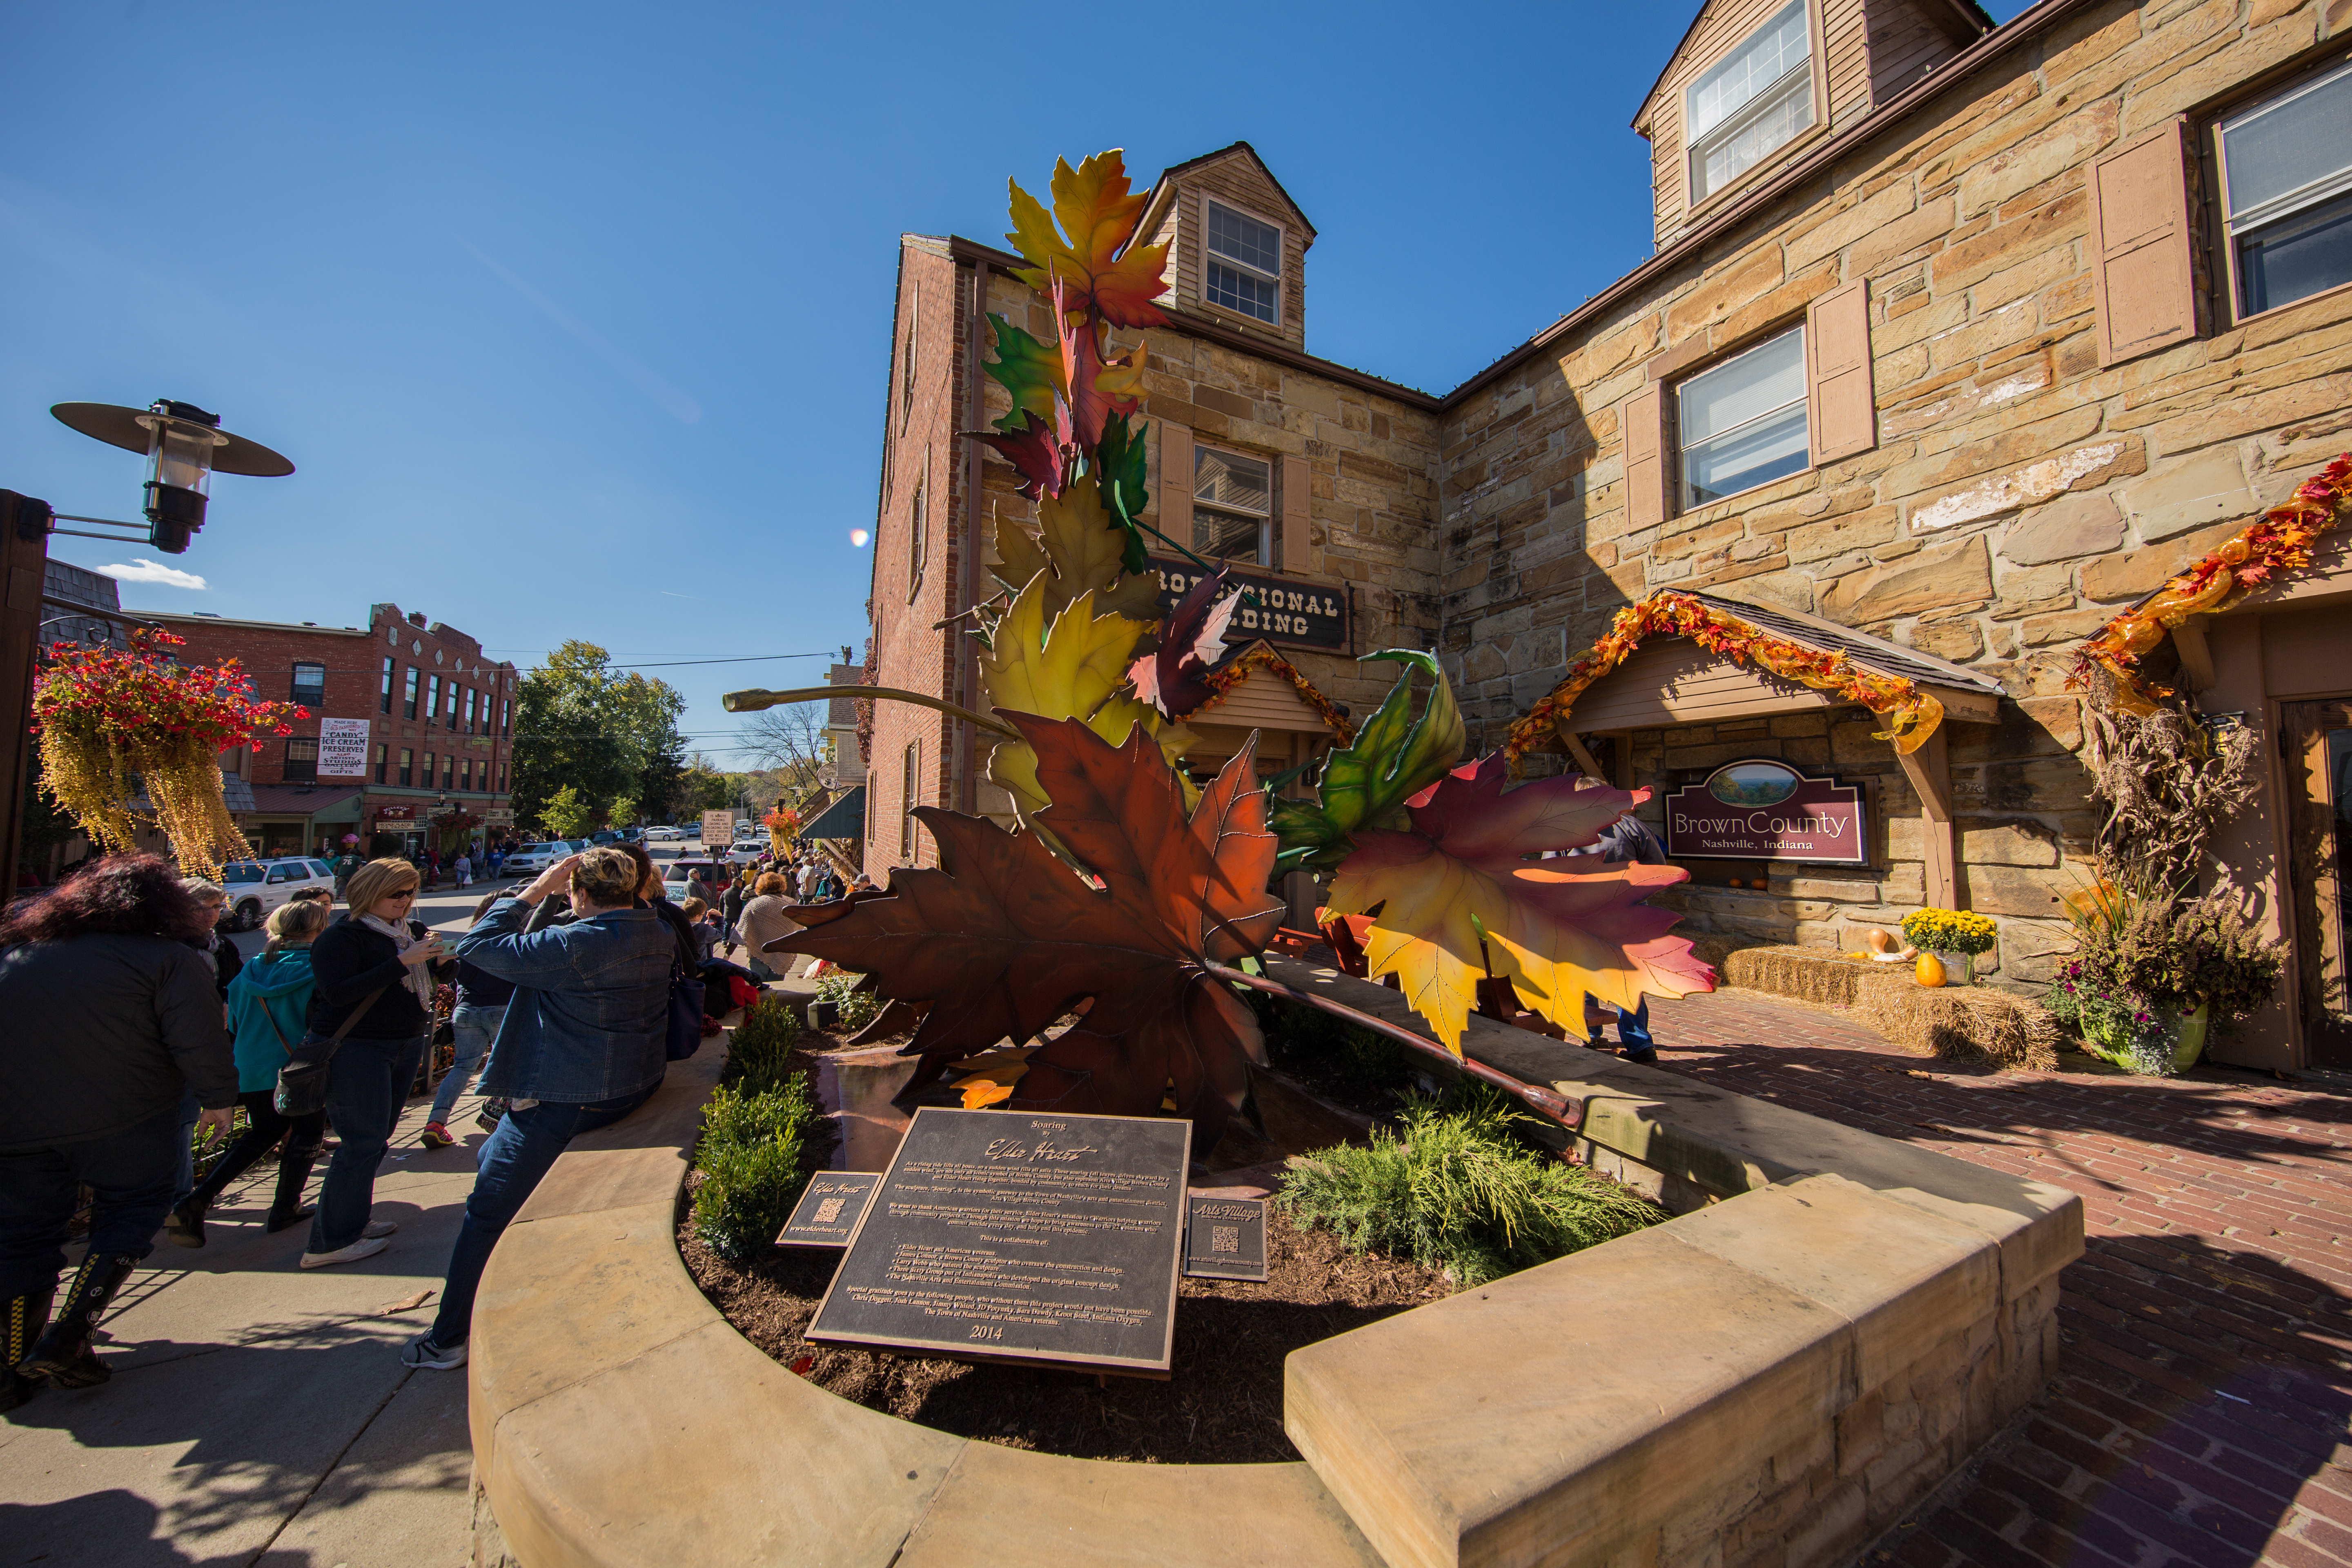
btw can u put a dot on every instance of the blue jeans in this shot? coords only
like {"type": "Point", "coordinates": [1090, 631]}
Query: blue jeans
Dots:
{"type": "Point", "coordinates": [520, 1152]}
{"type": "Point", "coordinates": [189, 1109]}
{"type": "Point", "coordinates": [367, 1085]}
{"type": "Point", "coordinates": [1633, 1028]}
{"type": "Point", "coordinates": [475, 1028]}
{"type": "Point", "coordinates": [129, 1175]}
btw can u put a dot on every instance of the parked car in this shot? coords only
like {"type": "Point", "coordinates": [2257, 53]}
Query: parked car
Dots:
{"type": "Point", "coordinates": [257, 886]}
{"type": "Point", "coordinates": [603, 836]}
{"type": "Point", "coordinates": [633, 834]}
{"type": "Point", "coordinates": [532, 859]}
{"type": "Point", "coordinates": [745, 851]}
{"type": "Point", "coordinates": [674, 875]}
{"type": "Point", "coordinates": [663, 836]}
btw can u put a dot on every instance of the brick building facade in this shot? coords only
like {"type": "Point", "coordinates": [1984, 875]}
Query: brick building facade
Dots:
{"type": "Point", "coordinates": [439, 716]}
{"type": "Point", "coordinates": [1958, 340]}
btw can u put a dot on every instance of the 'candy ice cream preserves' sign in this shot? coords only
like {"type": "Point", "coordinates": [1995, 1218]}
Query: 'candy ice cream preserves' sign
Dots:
{"type": "Point", "coordinates": [1760, 809]}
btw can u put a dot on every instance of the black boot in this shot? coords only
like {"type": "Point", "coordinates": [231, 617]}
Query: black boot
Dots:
{"type": "Point", "coordinates": [287, 1209]}
{"type": "Point", "coordinates": [62, 1354]}
{"type": "Point", "coordinates": [25, 1317]}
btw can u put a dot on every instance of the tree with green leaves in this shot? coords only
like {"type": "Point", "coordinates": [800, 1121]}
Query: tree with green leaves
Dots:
{"type": "Point", "coordinates": [579, 723]}
{"type": "Point", "coordinates": [564, 814]}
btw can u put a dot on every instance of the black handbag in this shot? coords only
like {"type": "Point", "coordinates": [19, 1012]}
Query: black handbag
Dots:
{"type": "Point", "coordinates": [684, 1036]}
{"type": "Point", "coordinates": [302, 1083]}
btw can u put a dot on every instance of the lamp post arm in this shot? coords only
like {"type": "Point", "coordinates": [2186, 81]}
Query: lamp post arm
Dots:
{"type": "Point", "coordinates": [754, 700]}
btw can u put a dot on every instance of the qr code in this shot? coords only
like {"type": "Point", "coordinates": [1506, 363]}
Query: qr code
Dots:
{"type": "Point", "coordinates": [828, 1210]}
{"type": "Point", "coordinates": [1225, 1239]}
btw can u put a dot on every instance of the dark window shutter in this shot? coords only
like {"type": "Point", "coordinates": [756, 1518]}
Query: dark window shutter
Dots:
{"type": "Point", "coordinates": [1173, 496]}
{"type": "Point", "coordinates": [2140, 264]}
{"type": "Point", "coordinates": [1843, 418]}
{"type": "Point", "coordinates": [1645, 468]}
{"type": "Point", "coordinates": [1297, 497]}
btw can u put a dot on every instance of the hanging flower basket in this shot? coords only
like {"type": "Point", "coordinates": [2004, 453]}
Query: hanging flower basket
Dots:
{"type": "Point", "coordinates": [107, 716]}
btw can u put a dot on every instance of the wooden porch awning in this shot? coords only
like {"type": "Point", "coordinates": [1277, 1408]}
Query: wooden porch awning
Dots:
{"type": "Point", "coordinates": [1257, 689]}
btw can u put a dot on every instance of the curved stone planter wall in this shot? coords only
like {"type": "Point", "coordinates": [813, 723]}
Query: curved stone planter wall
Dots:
{"type": "Point", "coordinates": [1772, 1377]}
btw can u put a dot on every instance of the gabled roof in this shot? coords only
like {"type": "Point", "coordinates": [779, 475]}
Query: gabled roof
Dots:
{"type": "Point", "coordinates": [1164, 187]}
{"type": "Point", "coordinates": [1965, 19]}
{"type": "Point", "coordinates": [1870, 652]}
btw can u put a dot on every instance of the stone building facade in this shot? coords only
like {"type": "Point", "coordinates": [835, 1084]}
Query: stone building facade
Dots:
{"type": "Point", "coordinates": [1960, 337]}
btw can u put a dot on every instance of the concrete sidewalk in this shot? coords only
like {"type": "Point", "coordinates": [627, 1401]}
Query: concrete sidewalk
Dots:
{"type": "Point", "coordinates": [259, 1414]}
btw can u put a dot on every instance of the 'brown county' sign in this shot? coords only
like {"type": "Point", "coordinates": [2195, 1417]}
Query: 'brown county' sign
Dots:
{"type": "Point", "coordinates": [1761, 809]}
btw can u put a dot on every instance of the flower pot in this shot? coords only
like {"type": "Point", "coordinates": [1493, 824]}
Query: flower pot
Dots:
{"type": "Point", "coordinates": [2187, 1032]}
{"type": "Point", "coordinates": [1959, 968]}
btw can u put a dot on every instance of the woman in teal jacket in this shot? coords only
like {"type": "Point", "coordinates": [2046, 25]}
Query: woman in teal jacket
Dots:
{"type": "Point", "coordinates": [267, 1003]}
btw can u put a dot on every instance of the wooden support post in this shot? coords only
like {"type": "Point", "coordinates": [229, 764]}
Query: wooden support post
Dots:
{"type": "Point", "coordinates": [2196, 655]}
{"type": "Point", "coordinates": [1929, 770]}
{"type": "Point", "coordinates": [24, 569]}
{"type": "Point", "coordinates": [1583, 758]}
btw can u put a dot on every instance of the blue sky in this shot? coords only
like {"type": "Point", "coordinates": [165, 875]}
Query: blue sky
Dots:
{"type": "Point", "coordinates": [574, 319]}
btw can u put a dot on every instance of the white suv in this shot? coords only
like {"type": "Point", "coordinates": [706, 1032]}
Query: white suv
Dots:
{"type": "Point", "coordinates": [257, 886]}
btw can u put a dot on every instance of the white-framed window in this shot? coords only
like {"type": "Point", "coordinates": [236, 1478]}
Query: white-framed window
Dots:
{"type": "Point", "coordinates": [1245, 270]}
{"type": "Point", "coordinates": [2286, 171]}
{"type": "Point", "coordinates": [1232, 507]}
{"type": "Point", "coordinates": [1741, 421]}
{"type": "Point", "coordinates": [912, 773]}
{"type": "Point", "coordinates": [1756, 99]}
{"type": "Point", "coordinates": [916, 542]}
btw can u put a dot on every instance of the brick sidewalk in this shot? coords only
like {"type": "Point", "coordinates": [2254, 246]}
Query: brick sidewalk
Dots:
{"type": "Point", "coordinates": [2201, 1417]}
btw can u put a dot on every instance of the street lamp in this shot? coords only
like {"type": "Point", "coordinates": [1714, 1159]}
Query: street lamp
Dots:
{"type": "Point", "coordinates": [184, 447]}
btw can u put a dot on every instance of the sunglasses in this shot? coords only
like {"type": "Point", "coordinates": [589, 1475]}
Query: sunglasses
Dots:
{"type": "Point", "coordinates": [403, 893]}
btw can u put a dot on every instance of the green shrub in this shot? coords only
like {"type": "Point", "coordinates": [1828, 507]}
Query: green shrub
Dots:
{"type": "Point", "coordinates": [857, 1008]}
{"type": "Point", "coordinates": [1453, 1189]}
{"type": "Point", "coordinates": [750, 1162]}
{"type": "Point", "coordinates": [759, 1053]}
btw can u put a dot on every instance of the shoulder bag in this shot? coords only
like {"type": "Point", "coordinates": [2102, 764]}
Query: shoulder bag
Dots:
{"type": "Point", "coordinates": [684, 1035]}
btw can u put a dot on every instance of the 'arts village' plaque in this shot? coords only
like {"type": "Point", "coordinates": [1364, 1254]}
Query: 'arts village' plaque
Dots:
{"type": "Point", "coordinates": [1225, 1238]}
{"type": "Point", "coordinates": [1003, 1236]}
{"type": "Point", "coordinates": [829, 1209]}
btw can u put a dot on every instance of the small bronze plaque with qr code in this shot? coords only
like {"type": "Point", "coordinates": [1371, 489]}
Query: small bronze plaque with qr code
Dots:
{"type": "Point", "coordinates": [829, 1208]}
{"type": "Point", "coordinates": [1225, 1238]}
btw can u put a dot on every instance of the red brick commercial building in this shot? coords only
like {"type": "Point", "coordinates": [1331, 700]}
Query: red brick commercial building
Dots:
{"type": "Point", "coordinates": [439, 718]}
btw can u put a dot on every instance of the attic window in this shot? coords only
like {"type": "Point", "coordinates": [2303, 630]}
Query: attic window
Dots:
{"type": "Point", "coordinates": [1755, 99]}
{"type": "Point", "coordinates": [1244, 264]}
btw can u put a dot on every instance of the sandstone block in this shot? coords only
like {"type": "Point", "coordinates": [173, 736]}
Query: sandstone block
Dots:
{"type": "Point", "coordinates": [1956, 574]}
{"type": "Point", "coordinates": [2085, 523]}
{"type": "Point", "coordinates": [2128, 573]}
{"type": "Point", "coordinates": [1837, 535]}
{"type": "Point", "coordinates": [2072, 625]}
{"type": "Point", "coordinates": [2188, 493]}
{"type": "Point", "coordinates": [2017, 890]}
{"type": "Point", "coordinates": [2015, 843]}
{"type": "Point", "coordinates": [2007, 492]}
{"type": "Point", "coordinates": [1958, 640]}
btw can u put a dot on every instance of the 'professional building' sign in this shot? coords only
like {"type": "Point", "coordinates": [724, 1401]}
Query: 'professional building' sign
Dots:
{"type": "Point", "coordinates": [1279, 609]}
{"type": "Point", "coordinates": [1760, 809]}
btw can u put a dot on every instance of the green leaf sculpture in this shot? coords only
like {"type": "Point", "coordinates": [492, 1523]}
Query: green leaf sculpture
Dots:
{"type": "Point", "coordinates": [1396, 755]}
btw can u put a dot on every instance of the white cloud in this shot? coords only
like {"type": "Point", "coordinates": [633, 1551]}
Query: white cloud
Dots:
{"type": "Point", "coordinates": [142, 570]}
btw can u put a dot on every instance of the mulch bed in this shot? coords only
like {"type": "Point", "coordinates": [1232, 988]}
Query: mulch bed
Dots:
{"type": "Point", "coordinates": [1222, 1405]}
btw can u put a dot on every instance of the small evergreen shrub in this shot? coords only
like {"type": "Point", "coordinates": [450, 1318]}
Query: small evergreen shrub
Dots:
{"type": "Point", "coordinates": [1454, 1188]}
{"type": "Point", "coordinates": [749, 1164]}
{"type": "Point", "coordinates": [760, 1053]}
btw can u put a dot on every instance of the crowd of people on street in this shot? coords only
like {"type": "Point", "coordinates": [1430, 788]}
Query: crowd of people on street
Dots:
{"type": "Point", "coordinates": [565, 994]}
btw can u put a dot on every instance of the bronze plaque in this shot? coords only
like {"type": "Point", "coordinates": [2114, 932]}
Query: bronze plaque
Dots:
{"type": "Point", "coordinates": [1006, 1235]}
{"type": "Point", "coordinates": [829, 1209]}
{"type": "Point", "coordinates": [1225, 1238]}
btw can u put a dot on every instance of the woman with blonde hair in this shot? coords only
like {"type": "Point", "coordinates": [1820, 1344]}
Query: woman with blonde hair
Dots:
{"type": "Point", "coordinates": [267, 1003]}
{"type": "Point", "coordinates": [764, 921]}
{"type": "Point", "coordinates": [376, 976]}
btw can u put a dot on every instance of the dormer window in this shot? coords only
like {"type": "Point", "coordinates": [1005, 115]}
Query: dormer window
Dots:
{"type": "Point", "coordinates": [1752, 103]}
{"type": "Point", "coordinates": [1244, 263]}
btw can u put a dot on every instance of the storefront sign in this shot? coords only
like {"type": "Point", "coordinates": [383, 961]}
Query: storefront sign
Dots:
{"type": "Point", "coordinates": [1282, 609]}
{"type": "Point", "coordinates": [499, 816]}
{"type": "Point", "coordinates": [1760, 809]}
{"type": "Point", "coordinates": [405, 815]}
{"type": "Point", "coordinates": [342, 748]}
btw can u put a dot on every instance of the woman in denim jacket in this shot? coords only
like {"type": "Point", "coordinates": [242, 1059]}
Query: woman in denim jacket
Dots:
{"type": "Point", "coordinates": [583, 1043]}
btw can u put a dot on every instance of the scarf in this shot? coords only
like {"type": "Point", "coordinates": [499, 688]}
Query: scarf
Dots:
{"type": "Point", "coordinates": [420, 975]}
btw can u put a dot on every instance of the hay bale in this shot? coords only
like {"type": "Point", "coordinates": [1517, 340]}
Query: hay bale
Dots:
{"type": "Point", "coordinates": [1959, 1023]}
{"type": "Point", "coordinates": [1817, 976]}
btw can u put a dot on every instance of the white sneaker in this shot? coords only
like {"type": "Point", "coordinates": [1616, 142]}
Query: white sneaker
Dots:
{"type": "Point", "coordinates": [365, 1246]}
{"type": "Point", "coordinates": [377, 1227]}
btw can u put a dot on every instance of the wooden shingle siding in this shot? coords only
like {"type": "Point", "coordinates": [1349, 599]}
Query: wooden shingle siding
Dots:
{"type": "Point", "coordinates": [1905, 45]}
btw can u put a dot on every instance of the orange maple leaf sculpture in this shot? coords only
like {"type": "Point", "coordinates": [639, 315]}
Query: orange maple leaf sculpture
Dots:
{"type": "Point", "coordinates": [1460, 896]}
{"type": "Point", "coordinates": [1003, 938]}
{"type": "Point", "coordinates": [1097, 211]}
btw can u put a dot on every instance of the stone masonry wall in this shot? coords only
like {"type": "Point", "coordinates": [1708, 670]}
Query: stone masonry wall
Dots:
{"type": "Point", "coordinates": [2018, 494]}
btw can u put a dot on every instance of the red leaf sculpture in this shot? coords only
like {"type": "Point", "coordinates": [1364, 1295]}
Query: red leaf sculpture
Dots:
{"type": "Point", "coordinates": [1174, 679]}
{"type": "Point", "coordinates": [1004, 939]}
{"type": "Point", "coordinates": [1034, 451]}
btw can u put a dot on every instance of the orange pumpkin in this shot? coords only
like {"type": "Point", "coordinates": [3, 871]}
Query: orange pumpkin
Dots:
{"type": "Point", "coordinates": [1930, 969]}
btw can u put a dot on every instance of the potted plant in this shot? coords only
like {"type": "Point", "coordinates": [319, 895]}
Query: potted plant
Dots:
{"type": "Point", "coordinates": [1951, 935]}
{"type": "Point", "coordinates": [2156, 975]}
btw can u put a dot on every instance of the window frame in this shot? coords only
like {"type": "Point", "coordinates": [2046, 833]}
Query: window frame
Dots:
{"type": "Point", "coordinates": [1268, 526]}
{"type": "Point", "coordinates": [407, 766]}
{"type": "Point", "coordinates": [383, 762]}
{"type": "Point", "coordinates": [294, 682]}
{"type": "Point", "coordinates": [288, 766]}
{"type": "Point", "coordinates": [408, 692]}
{"type": "Point", "coordinates": [2297, 76]}
{"type": "Point", "coordinates": [384, 702]}
{"type": "Point", "coordinates": [909, 780]}
{"type": "Point", "coordinates": [1671, 413]}
{"type": "Point", "coordinates": [1818, 92]}
{"type": "Point", "coordinates": [918, 544]}
{"type": "Point", "coordinates": [1279, 277]}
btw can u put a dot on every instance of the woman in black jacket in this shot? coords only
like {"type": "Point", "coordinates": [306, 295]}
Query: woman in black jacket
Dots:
{"type": "Point", "coordinates": [377, 963]}
{"type": "Point", "coordinates": [107, 1015]}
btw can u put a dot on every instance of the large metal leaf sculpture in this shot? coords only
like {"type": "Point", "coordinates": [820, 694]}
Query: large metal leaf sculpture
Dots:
{"type": "Point", "coordinates": [1101, 271]}
{"type": "Point", "coordinates": [1394, 757]}
{"type": "Point", "coordinates": [1460, 896]}
{"type": "Point", "coordinates": [1080, 547]}
{"type": "Point", "coordinates": [1003, 938]}
{"type": "Point", "coordinates": [1174, 679]}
